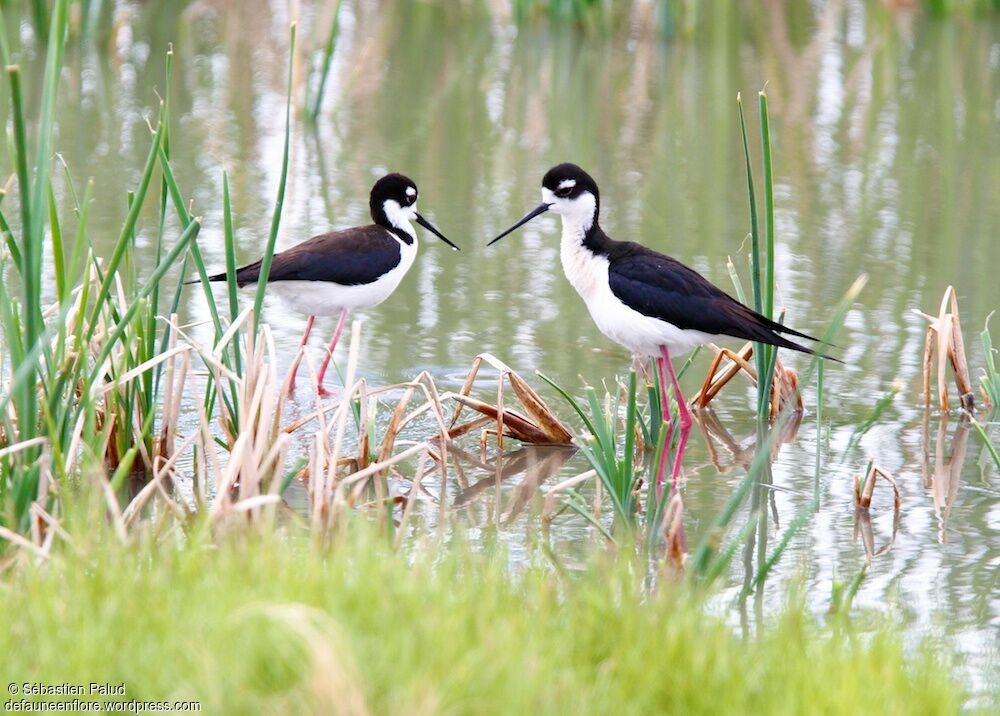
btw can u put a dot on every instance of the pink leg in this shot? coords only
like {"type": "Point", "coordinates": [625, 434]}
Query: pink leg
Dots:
{"type": "Point", "coordinates": [329, 353]}
{"type": "Point", "coordinates": [298, 357]}
{"type": "Point", "coordinates": [668, 423]}
{"type": "Point", "coordinates": [684, 415]}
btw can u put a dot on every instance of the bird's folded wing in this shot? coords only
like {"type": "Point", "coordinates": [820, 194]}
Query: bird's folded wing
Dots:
{"type": "Point", "coordinates": [661, 287]}
{"type": "Point", "coordinates": [350, 257]}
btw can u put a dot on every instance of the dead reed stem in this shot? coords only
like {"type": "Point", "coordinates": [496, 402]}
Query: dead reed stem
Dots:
{"type": "Point", "coordinates": [944, 338]}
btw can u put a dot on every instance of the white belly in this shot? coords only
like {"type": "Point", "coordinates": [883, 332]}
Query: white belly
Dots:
{"type": "Point", "coordinates": [627, 327]}
{"type": "Point", "coordinates": [322, 298]}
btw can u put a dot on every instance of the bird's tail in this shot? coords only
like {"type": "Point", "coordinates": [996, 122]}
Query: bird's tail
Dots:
{"type": "Point", "coordinates": [773, 338]}
{"type": "Point", "coordinates": [213, 279]}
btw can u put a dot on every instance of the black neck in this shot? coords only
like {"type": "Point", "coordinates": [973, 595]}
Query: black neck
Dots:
{"type": "Point", "coordinates": [403, 236]}
{"type": "Point", "coordinates": [379, 217]}
{"type": "Point", "coordinates": [596, 241]}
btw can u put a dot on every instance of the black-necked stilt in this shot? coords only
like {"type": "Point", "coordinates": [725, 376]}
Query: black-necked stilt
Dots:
{"type": "Point", "coordinates": [649, 303]}
{"type": "Point", "coordinates": [335, 273]}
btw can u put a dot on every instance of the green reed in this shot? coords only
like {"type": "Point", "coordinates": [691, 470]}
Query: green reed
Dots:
{"type": "Point", "coordinates": [605, 431]}
{"type": "Point", "coordinates": [69, 361]}
{"type": "Point", "coordinates": [328, 49]}
{"type": "Point", "coordinates": [761, 251]}
{"type": "Point", "coordinates": [265, 264]}
{"type": "Point", "coordinates": [990, 380]}
{"type": "Point", "coordinates": [84, 389]}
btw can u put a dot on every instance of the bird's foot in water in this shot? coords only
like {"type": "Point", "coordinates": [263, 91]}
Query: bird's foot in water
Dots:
{"type": "Point", "coordinates": [323, 392]}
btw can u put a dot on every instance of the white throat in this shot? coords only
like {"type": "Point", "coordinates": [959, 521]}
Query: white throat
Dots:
{"type": "Point", "coordinates": [585, 270]}
{"type": "Point", "coordinates": [577, 218]}
{"type": "Point", "coordinates": [400, 217]}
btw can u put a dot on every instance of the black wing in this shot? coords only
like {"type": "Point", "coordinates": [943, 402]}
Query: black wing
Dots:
{"type": "Point", "coordinates": [661, 287]}
{"type": "Point", "coordinates": [349, 257]}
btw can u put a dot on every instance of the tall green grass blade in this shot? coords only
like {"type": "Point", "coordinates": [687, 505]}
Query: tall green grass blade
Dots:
{"type": "Point", "coordinates": [578, 504]}
{"type": "Point", "coordinates": [50, 90]}
{"type": "Point", "coordinates": [588, 423]}
{"type": "Point", "coordinates": [881, 405]}
{"type": "Point", "coordinates": [721, 563]}
{"type": "Point", "coordinates": [151, 381]}
{"type": "Point", "coordinates": [604, 436]}
{"type": "Point", "coordinates": [5, 56]}
{"type": "Point", "coordinates": [185, 219]}
{"type": "Point", "coordinates": [230, 245]}
{"type": "Point", "coordinates": [265, 264]}
{"type": "Point", "coordinates": [755, 268]}
{"type": "Point", "coordinates": [8, 237]}
{"type": "Point", "coordinates": [40, 18]}
{"type": "Point", "coordinates": [58, 256]}
{"type": "Point", "coordinates": [328, 50]}
{"type": "Point", "coordinates": [990, 379]}
{"type": "Point", "coordinates": [797, 523]}
{"type": "Point", "coordinates": [82, 210]}
{"type": "Point", "coordinates": [819, 432]}
{"type": "Point", "coordinates": [20, 148]}
{"type": "Point", "coordinates": [986, 441]}
{"type": "Point", "coordinates": [765, 147]}
{"type": "Point", "coordinates": [12, 333]}
{"type": "Point", "coordinates": [630, 417]}
{"type": "Point", "coordinates": [229, 236]}
{"type": "Point", "coordinates": [735, 278]}
{"type": "Point", "coordinates": [767, 300]}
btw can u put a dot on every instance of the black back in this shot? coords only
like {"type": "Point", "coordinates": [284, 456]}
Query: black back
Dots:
{"type": "Point", "coordinates": [350, 257]}
{"type": "Point", "coordinates": [661, 287]}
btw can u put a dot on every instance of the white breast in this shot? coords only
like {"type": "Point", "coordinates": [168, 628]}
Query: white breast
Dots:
{"type": "Point", "coordinates": [588, 273]}
{"type": "Point", "coordinates": [321, 298]}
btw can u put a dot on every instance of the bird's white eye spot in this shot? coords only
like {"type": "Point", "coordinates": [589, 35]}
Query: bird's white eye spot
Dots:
{"type": "Point", "coordinates": [410, 191]}
{"type": "Point", "coordinates": [565, 188]}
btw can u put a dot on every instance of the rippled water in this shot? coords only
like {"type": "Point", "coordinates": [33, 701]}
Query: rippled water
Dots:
{"type": "Point", "coordinates": [886, 134]}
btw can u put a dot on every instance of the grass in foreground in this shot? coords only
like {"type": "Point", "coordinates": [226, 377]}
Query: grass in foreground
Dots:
{"type": "Point", "coordinates": [276, 625]}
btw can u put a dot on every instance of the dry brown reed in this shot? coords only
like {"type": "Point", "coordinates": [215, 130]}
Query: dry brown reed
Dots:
{"type": "Point", "coordinates": [944, 340]}
{"type": "Point", "coordinates": [864, 488]}
{"type": "Point", "coordinates": [728, 364]}
{"type": "Point", "coordinates": [540, 424]}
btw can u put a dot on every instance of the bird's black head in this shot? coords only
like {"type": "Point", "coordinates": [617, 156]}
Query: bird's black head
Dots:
{"type": "Point", "coordinates": [568, 191]}
{"type": "Point", "coordinates": [568, 182]}
{"type": "Point", "coordinates": [393, 204]}
{"type": "Point", "coordinates": [392, 188]}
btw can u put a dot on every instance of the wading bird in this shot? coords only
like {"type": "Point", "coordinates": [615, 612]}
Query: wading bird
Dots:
{"type": "Point", "coordinates": [335, 273]}
{"type": "Point", "coordinates": [649, 303]}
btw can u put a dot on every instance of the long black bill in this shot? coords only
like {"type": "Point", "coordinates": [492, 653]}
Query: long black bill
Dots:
{"type": "Point", "coordinates": [540, 209]}
{"type": "Point", "coordinates": [431, 228]}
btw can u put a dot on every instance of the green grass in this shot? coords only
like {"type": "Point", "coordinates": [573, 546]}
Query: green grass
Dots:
{"type": "Point", "coordinates": [72, 410]}
{"type": "Point", "coordinates": [273, 624]}
{"type": "Point", "coordinates": [990, 379]}
{"type": "Point", "coordinates": [761, 252]}
{"type": "Point", "coordinates": [315, 103]}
